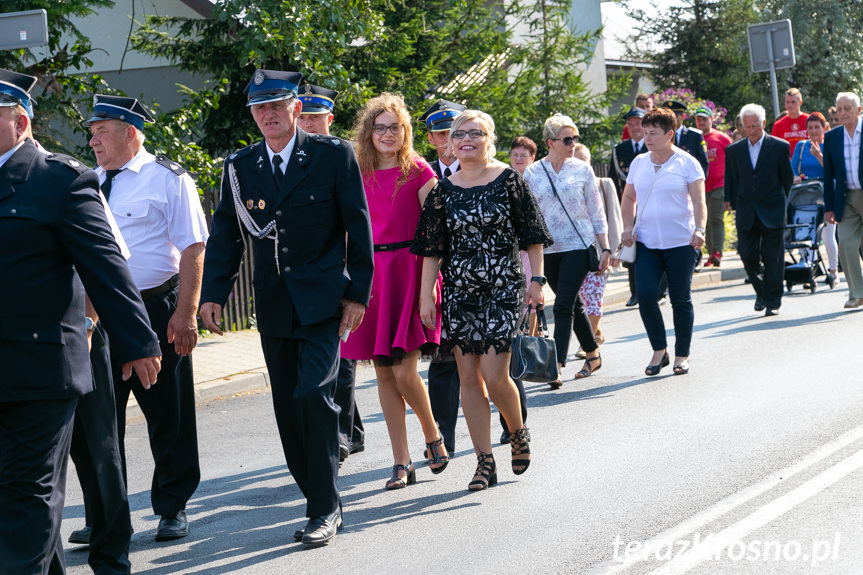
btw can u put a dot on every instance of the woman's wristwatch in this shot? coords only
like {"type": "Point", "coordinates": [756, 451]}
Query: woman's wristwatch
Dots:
{"type": "Point", "coordinates": [541, 280]}
{"type": "Point", "coordinates": [606, 250]}
{"type": "Point", "coordinates": [699, 230]}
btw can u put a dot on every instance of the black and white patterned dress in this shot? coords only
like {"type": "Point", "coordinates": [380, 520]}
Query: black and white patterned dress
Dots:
{"type": "Point", "coordinates": [478, 232]}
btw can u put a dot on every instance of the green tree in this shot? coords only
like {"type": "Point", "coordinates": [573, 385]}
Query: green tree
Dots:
{"type": "Point", "coordinates": [702, 45]}
{"type": "Point", "coordinates": [828, 46]}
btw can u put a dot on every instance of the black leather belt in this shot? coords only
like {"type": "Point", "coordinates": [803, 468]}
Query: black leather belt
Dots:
{"type": "Point", "coordinates": [160, 289]}
{"type": "Point", "coordinates": [393, 247]}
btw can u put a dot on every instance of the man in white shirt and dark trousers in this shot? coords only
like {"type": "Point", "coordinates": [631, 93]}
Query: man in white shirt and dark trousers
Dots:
{"type": "Point", "coordinates": [156, 205]}
{"type": "Point", "coordinates": [843, 200]}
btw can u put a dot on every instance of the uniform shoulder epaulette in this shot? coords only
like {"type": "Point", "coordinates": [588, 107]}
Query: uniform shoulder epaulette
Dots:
{"type": "Point", "coordinates": [68, 161]}
{"type": "Point", "coordinates": [696, 130]}
{"type": "Point", "coordinates": [233, 156]}
{"type": "Point", "coordinates": [171, 165]}
{"type": "Point", "coordinates": [331, 140]}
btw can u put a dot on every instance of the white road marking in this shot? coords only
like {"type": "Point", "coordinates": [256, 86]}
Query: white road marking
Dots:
{"type": "Point", "coordinates": [710, 514]}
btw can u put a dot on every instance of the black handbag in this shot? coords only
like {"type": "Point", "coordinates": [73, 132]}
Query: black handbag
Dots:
{"type": "Point", "coordinates": [534, 358]}
{"type": "Point", "coordinates": [592, 254]}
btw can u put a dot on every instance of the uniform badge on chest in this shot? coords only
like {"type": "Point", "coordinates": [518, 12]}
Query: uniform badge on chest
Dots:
{"type": "Point", "coordinates": [250, 204]}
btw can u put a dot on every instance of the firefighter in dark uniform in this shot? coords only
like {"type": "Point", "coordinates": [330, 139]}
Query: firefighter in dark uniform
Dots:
{"type": "Point", "coordinates": [295, 196]}
{"type": "Point", "coordinates": [51, 219]}
{"type": "Point", "coordinates": [316, 118]}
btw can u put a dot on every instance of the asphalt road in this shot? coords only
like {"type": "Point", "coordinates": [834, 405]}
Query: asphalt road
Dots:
{"type": "Point", "coordinates": [759, 448]}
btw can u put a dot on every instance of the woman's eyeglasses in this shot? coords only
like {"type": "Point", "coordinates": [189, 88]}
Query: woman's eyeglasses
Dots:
{"type": "Point", "coordinates": [462, 134]}
{"type": "Point", "coordinates": [567, 141]}
{"type": "Point", "coordinates": [381, 129]}
{"type": "Point", "coordinates": [520, 156]}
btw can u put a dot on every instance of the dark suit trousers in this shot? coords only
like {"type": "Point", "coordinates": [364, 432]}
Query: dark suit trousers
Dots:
{"type": "Point", "coordinates": [566, 272]}
{"type": "Point", "coordinates": [303, 370]}
{"type": "Point", "coordinates": [350, 425]}
{"type": "Point", "coordinates": [34, 452]}
{"type": "Point", "coordinates": [761, 244]}
{"type": "Point", "coordinates": [96, 453]}
{"type": "Point", "coordinates": [444, 392]}
{"type": "Point", "coordinates": [169, 407]}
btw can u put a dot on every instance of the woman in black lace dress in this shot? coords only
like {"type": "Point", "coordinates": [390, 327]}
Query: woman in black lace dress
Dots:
{"type": "Point", "coordinates": [471, 228]}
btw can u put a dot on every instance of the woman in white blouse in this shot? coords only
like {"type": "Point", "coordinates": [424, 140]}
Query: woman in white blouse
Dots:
{"type": "Point", "coordinates": [572, 207]}
{"type": "Point", "coordinates": [667, 185]}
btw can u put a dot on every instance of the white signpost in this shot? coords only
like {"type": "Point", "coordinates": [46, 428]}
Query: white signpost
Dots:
{"type": "Point", "coordinates": [771, 48]}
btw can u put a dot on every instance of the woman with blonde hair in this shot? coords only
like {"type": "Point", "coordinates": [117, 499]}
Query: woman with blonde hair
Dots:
{"type": "Point", "coordinates": [392, 334]}
{"type": "Point", "coordinates": [471, 228]}
{"type": "Point", "coordinates": [572, 206]}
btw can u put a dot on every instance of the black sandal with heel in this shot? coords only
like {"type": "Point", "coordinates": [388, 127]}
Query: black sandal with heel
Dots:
{"type": "Point", "coordinates": [486, 472]}
{"type": "Point", "coordinates": [588, 368]}
{"type": "Point", "coordinates": [397, 482]}
{"type": "Point", "coordinates": [434, 457]}
{"type": "Point", "coordinates": [655, 369]}
{"type": "Point", "coordinates": [520, 445]}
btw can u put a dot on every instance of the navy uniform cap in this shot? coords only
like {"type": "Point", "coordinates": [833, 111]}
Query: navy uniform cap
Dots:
{"type": "Point", "coordinates": [675, 106]}
{"type": "Point", "coordinates": [15, 89]}
{"type": "Point", "coordinates": [128, 110]}
{"type": "Point", "coordinates": [271, 86]}
{"type": "Point", "coordinates": [317, 100]}
{"type": "Point", "coordinates": [634, 113]}
{"type": "Point", "coordinates": [440, 116]}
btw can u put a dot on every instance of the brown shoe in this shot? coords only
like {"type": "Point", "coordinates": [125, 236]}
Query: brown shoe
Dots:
{"type": "Point", "coordinates": [853, 302]}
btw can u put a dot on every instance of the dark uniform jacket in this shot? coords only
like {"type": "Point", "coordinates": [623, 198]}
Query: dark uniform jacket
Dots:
{"type": "Point", "coordinates": [621, 157]}
{"type": "Point", "coordinates": [51, 218]}
{"type": "Point", "coordinates": [322, 198]}
{"type": "Point", "coordinates": [835, 176]}
{"type": "Point", "coordinates": [693, 142]}
{"type": "Point", "coordinates": [761, 191]}
{"type": "Point", "coordinates": [435, 166]}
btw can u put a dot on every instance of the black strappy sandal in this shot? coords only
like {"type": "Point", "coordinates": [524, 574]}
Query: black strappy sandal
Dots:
{"type": "Point", "coordinates": [519, 444]}
{"type": "Point", "coordinates": [434, 457]}
{"type": "Point", "coordinates": [397, 482]}
{"type": "Point", "coordinates": [486, 472]}
{"type": "Point", "coordinates": [588, 368]}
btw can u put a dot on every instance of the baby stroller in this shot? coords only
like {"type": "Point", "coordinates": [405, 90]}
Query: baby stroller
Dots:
{"type": "Point", "coordinates": [805, 210]}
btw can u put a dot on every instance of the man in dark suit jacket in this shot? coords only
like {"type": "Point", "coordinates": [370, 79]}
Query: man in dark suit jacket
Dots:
{"type": "Point", "coordinates": [297, 217]}
{"type": "Point", "coordinates": [758, 177]}
{"type": "Point", "coordinates": [54, 235]}
{"type": "Point", "coordinates": [843, 200]}
{"type": "Point", "coordinates": [689, 139]}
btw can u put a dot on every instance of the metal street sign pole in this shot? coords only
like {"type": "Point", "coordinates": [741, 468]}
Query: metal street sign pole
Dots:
{"type": "Point", "coordinates": [772, 74]}
{"type": "Point", "coordinates": [771, 48]}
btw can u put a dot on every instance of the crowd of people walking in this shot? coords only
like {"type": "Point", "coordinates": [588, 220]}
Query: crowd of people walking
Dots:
{"type": "Point", "coordinates": [364, 251]}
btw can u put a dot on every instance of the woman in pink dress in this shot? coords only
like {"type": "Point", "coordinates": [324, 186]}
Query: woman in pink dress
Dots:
{"type": "Point", "coordinates": [392, 334]}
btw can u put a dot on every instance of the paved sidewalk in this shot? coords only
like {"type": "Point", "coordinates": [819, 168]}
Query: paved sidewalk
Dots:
{"type": "Point", "coordinates": [233, 363]}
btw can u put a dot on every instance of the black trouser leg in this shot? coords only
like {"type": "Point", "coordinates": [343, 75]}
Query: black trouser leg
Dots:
{"type": "Point", "coordinates": [169, 407]}
{"type": "Point", "coordinates": [96, 455]}
{"type": "Point", "coordinates": [566, 272]}
{"type": "Point", "coordinates": [522, 398]}
{"type": "Point", "coordinates": [34, 452]}
{"type": "Point", "coordinates": [444, 392]}
{"type": "Point", "coordinates": [303, 372]}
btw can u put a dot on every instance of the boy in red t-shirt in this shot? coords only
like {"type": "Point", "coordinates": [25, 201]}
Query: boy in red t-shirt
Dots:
{"type": "Point", "coordinates": [792, 127]}
{"type": "Point", "coordinates": [714, 185]}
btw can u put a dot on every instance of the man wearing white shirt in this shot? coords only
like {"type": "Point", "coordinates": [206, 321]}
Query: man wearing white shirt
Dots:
{"type": "Point", "coordinates": [157, 208]}
{"type": "Point", "coordinates": [843, 200]}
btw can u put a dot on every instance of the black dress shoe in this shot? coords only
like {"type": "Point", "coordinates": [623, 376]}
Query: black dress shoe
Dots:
{"type": "Point", "coordinates": [358, 447]}
{"type": "Point", "coordinates": [504, 437]}
{"type": "Point", "coordinates": [321, 530]}
{"type": "Point", "coordinates": [298, 534]}
{"type": "Point", "coordinates": [344, 451]}
{"type": "Point", "coordinates": [81, 536]}
{"type": "Point", "coordinates": [172, 527]}
{"type": "Point", "coordinates": [771, 311]}
{"type": "Point", "coordinates": [633, 301]}
{"type": "Point", "coordinates": [759, 305]}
